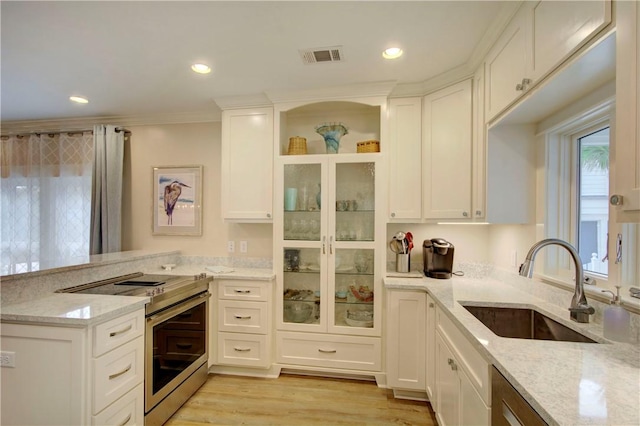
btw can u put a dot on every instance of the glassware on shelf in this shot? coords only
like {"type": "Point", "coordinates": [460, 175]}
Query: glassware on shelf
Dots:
{"type": "Point", "coordinates": [332, 132]}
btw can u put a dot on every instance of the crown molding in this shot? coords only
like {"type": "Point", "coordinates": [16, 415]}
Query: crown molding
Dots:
{"type": "Point", "coordinates": [364, 90]}
{"type": "Point", "coordinates": [85, 123]}
{"type": "Point", "coordinates": [246, 101]}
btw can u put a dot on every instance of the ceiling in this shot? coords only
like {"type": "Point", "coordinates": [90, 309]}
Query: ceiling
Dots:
{"type": "Point", "coordinates": [134, 58]}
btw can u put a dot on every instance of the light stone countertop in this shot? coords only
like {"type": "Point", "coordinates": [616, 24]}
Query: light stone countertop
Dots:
{"type": "Point", "coordinates": [75, 310]}
{"type": "Point", "coordinates": [229, 273]}
{"type": "Point", "coordinates": [567, 383]}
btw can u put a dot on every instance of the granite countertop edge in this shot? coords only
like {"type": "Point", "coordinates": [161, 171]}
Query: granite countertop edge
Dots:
{"type": "Point", "coordinates": [71, 310]}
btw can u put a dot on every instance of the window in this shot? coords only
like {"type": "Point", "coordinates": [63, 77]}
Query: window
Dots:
{"type": "Point", "coordinates": [45, 203]}
{"type": "Point", "coordinates": [591, 220]}
{"type": "Point", "coordinates": [576, 203]}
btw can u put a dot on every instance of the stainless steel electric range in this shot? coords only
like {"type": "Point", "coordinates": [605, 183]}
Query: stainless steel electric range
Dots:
{"type": "Point", "coordinates": [176, 335]}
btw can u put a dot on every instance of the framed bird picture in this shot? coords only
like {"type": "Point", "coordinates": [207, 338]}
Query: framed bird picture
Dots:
{"type": "Point", "coordinates": [177, 200]}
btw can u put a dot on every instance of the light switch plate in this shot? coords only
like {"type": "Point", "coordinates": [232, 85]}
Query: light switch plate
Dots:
{"type": "Point", "coordinates": [7, 359]}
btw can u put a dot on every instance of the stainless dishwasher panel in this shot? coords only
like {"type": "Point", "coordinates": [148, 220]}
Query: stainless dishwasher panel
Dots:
{"type": "Point", "coordinates": [508, 407]}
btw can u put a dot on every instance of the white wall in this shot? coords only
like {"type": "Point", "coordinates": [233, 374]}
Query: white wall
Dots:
{"type": "Point", "coordinates": [179, 145]}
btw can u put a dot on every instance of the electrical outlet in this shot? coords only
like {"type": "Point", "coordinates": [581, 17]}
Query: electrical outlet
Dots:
{"type": "Point", "coordinates": [231, 246]}
{"type": "Point", "coordinates": [7, 359]}
{"type": "Point", "coordinates": [243, 247]}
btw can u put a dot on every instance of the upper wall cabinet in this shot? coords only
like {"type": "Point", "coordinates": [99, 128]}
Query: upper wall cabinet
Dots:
{"type": "Point", "coordinates": [447, 152]}
{"type": "Point", "coordinates": [405, 159]}
{"type": "Point", "coordinates": [247, 164]}
{"type": "Point", "coordinates": [626, 147]}
{"type": "Point", "coordinates": [539, 38]}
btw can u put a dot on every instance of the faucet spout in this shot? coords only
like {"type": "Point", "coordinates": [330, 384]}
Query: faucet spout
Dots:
{"type": "Point", "coordinates": [579, 308]}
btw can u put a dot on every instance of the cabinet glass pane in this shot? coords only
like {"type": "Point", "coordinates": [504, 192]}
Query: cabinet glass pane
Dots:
{"type": "Point", "coordinates": [355, 201]}
{"type": "Point", "coordinates": [301, 278]}
{"type": "Point", "coordinates": [302, 202]}
{"type": "Point", "coordinates": [353, 297]}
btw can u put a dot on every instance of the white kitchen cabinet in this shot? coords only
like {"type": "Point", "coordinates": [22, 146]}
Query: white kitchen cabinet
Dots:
{"type": "Point", "coordinates": [430, 355]}
{"type": "Point", "coordinates": [447, 152]}
{"type": "Point", "coordinates": [406, 339]}
{"type": "Point", "coordinates": [329, 239]}
{"type": "Point", "coordinates": [327, 254]}
{"type": "Point", "coordinates": [462, 382]}
{"type": "Point", "coordinates": [247, 164]}
{"type": "Point", "coordinates": [479, 150]}
{"type": "Point", "coordinates": [541, 36]}
{"type": "Point", "coordinates": [507, 64]}
{"type": "Point", "coordinates": [243, 324]}
{"type": "Point", "coordinates": [405, 159]}
{"type": "Point", "coordinates": [560, 27]}
{"type": "Point", "coordinates": [626, 141]}
{"type": "Point", "coordinates": [75, 375]}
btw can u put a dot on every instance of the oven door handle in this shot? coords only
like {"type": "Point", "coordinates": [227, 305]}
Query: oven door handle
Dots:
{"type": "Point", "coordinates": [171, 312]}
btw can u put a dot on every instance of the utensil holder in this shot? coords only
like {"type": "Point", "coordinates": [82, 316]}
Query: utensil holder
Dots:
{"type": "Point", "coordinates": [403, 262]}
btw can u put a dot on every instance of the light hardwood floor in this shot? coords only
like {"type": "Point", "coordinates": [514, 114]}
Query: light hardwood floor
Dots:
{"type": "Point", "coordinates": [297, 400]}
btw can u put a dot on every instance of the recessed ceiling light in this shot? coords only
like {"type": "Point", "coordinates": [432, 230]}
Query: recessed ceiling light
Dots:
{"type": "Point", "coordinates": [201, 68]}
{"type": "Point", "coordinates": [79, 99]}
{"type": "Point", "coordinates": [392, 53]}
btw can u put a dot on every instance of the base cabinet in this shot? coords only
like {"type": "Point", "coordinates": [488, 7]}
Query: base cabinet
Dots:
{"type": "Point", "coordinates": [329, 351]}
{"type": "Point", "coordinates": [462, 379]}
{"type": "Point", "coordinates": [406, 338]}
{"type": "Point", "coordinates": [243, 323]}
{"type": "Point", "coordinates": [74, 376]}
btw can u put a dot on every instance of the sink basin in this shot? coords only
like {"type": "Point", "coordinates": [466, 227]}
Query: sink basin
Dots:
{"type": "Point", "coordinates": [524, 323]}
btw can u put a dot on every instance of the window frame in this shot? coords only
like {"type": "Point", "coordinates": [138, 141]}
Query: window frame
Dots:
{"type": "Point", "coordinates": [556, 197]}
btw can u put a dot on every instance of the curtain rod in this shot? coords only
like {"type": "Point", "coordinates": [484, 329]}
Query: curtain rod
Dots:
{"type": "Point", "coordinates": [58, 132]}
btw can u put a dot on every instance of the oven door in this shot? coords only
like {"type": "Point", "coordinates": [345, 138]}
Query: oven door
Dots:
{"type": "Point", "coordinates": [176, 346]}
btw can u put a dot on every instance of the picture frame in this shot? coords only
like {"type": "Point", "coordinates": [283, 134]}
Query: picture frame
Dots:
{"type": "Point", "coordinates": [177, 200]}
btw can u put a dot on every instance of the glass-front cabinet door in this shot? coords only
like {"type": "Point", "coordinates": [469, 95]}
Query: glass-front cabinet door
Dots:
{"type": "Point", "coordinates": [327, 245]}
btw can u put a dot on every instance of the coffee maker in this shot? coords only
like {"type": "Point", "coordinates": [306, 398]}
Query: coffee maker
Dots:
{"type": "Point", "coordinates": [437, 254]}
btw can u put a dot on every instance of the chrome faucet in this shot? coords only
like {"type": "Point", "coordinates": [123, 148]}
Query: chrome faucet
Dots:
{"type": "Point", "coordinates": [579, 308]}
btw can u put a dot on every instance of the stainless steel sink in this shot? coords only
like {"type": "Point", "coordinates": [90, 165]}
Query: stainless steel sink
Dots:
{"type": "Point", "coordinates": [524, 323]}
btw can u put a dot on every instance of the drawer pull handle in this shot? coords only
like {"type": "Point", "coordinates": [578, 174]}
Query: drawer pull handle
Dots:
{"type": "Point", "coordinates": [125, 421]}
{"type": "Point", "coordinates": [242, 316]}
{"type": "Point", "coordinates": [113, 376]}
{"type": "Point", "coordinates": [124, 330]}
{"type": "Point", "coordinates": [243, 291]}
{"type": "Point", "coordinates": [184, 345]}
{"type": "Point", "coordinates": [242, 349]}
{"type": "Point", "coordinates": [452, 363]}
{"type": "Point", "coordinates": [327, 351]}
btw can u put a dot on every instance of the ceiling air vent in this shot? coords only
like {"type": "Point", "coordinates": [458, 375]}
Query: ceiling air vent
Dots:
{"type": "Point", "coordinates": [322, 54]}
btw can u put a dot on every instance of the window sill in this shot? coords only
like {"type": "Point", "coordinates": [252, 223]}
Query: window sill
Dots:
{"type": "Point", "coordinates": [595, 291]}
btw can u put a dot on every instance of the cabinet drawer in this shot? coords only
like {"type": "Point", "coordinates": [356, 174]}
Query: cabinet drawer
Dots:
{"type": "Point", "coordinates": [476, 367]}
{"type": "Point", "coordinates": [113, 333]}
{"type": "Point", "coordinates": [243, 290]}
{"type": "Point", "coordinates": [248, 350]}
{"type": "Point", "coordinates": [349, 352]}
{"type": "Point", "coordinates": [244, 317]}
{"type": "Point", "coordinates": [117, 372]}
{"type": "Point", "coordinates": [128, 410]}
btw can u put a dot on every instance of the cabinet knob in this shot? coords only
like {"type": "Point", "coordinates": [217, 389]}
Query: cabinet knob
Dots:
{"type": "Point", "coordinates": [393, 215]}
{"type": "Point", "coordinates": [478, 212]}
{"type": "Point", "coordinates": [616, 200]}
{"type": "Point", "coordinates": [465, 214]}
{"type": "Point", "coordinates": [432, 305]}
{"type": "Point", "coordinates": [524, 85]}
{"type": "Point", "coordinates": [269, 215]}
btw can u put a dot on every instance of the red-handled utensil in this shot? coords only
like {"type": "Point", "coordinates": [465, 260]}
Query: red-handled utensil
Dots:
{"type": "Point", "coordinates": [409, 238]}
